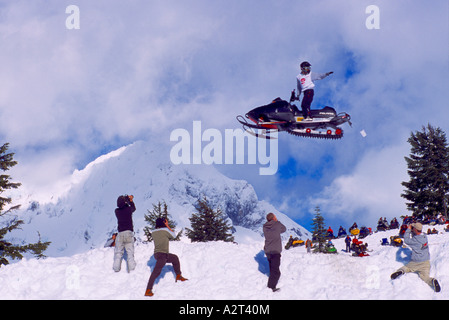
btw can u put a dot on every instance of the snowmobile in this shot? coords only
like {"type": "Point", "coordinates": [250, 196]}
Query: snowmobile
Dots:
{"type": "Point", "coordinates": [364, 232]}
{"type": "Point", "coordinates": [330, 248]}
{"type": "Point", "coordinates": [382, 227]}
{"type": "Point", "coordinates": [280, 115]}
{"type": "Point", "coordinates": [396, 241]}
{"type": "Point", "coordinates": [360, 249]}
{"type": "Point", "coordinates": [294, 242]}
{"type": "Point", "coordinates": [341, 233]}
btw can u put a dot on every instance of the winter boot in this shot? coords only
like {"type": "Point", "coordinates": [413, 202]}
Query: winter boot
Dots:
{"type": "Point", "coordinates": [149, 293]}
{"type": "Point", "coordinates": [436, 285]}
{"type": "Point", "coordinates": [180, 278]}
{"type": "Point", "coordinates": [396, 274]}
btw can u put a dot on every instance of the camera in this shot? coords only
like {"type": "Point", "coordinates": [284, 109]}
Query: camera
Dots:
{"type": "Point", "coordinates": [128, 198]}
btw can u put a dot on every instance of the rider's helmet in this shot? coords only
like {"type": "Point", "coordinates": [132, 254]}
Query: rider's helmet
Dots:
{"type": "Point", "coordinates": [305, 67]}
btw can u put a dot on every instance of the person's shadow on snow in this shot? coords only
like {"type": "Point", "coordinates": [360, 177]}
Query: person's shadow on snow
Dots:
{"type": "Point", "coordinates": [167, 268]}
{"type": "Point", "coordinates": [262, 261]}
{"type": "Point", "coordinates": [403, 255]}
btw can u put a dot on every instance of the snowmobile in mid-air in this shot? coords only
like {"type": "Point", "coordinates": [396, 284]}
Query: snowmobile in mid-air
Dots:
{"type": "Point", "coordinates": [280, 115]}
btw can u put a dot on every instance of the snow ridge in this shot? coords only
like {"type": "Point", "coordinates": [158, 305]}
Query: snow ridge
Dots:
{"type": "Point", "coordinates": [83, 218]}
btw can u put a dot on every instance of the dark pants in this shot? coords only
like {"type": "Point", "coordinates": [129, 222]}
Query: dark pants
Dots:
{"type": "Point", "coordinates": [161, 260]}
{"type": "Point", "coordinates": [307, 102]}
{"type": "Point", "coordinates": [274, 261]}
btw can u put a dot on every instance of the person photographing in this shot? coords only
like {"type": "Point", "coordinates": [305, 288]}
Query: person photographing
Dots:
{"type": "Point", "coordinates": [125, 236]}
{"type": "Point", "coordinates": [272, 230]}
{"type": "Point", "coordinates": [420, 260]}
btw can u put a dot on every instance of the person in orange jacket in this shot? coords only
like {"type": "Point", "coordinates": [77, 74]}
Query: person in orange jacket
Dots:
{"type": "Point", "coordinates": [308, 245]}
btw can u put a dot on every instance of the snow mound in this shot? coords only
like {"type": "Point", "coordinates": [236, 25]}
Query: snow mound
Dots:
{"type": "Point", "coordinates": [229, 271]}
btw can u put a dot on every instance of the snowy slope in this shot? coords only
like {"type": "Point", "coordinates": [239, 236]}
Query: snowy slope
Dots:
{"type": "Point", "coordinates": [83, 218]}
{"type": "Point", "coordinates": [226, 271]}
{"type": "Point", "coordinates": [78, 267]}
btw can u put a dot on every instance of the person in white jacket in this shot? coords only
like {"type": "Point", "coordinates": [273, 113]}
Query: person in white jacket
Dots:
{"type": "Point", "coordinates": [305, 85]}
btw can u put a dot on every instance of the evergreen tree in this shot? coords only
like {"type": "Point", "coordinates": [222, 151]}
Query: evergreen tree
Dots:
{"type": "Point", "coordinates": [318, 231]}
{"type": "Point", "coordinates": [160, 210]}
{"type": "Point", "coordinates": [8, 249]}
{"type": "Point", "coordinates": [428, 169]}
{"type": "Point", "coordinates": [208, 224]}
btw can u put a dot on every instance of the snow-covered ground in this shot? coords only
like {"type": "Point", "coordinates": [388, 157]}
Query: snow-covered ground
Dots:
{"type": "Point", "coordinates": [227, 271]}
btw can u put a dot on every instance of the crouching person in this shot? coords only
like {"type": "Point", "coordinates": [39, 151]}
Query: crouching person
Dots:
{"type": "Point", "coordinates": [125, 237]}
{"type": "Point", "coordinates": [161, 237]}
{"type": "Point", "coordinates": [420, 261]}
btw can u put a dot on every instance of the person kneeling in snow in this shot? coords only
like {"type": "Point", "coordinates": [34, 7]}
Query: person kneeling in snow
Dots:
{"type": "Point", "coordinates": [161, 237]}
{"type": "Point", "coordinates": [420, 261]}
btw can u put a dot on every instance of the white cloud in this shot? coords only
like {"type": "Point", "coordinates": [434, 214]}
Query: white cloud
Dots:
{"type": "Point", "coordinates": [44, 175]}
{"type": "Point", "coordinates": [370, 191]}
{"type": "Point", "coordinates": [140, 68]}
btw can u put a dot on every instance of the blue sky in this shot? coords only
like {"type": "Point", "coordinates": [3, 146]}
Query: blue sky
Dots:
{"type": "Point", "coordinates": [139, 69]}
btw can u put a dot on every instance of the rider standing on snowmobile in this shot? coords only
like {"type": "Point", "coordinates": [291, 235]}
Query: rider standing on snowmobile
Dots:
{"type": "Point", "coordinates": [305, 84]}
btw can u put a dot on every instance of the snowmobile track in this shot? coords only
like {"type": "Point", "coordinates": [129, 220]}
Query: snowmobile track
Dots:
{"type": "Point", "coordinates": [316, 135]}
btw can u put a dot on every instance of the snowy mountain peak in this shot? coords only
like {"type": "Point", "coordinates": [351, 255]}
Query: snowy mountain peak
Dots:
{"type": "Point", "coordinates": [84, 217]}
